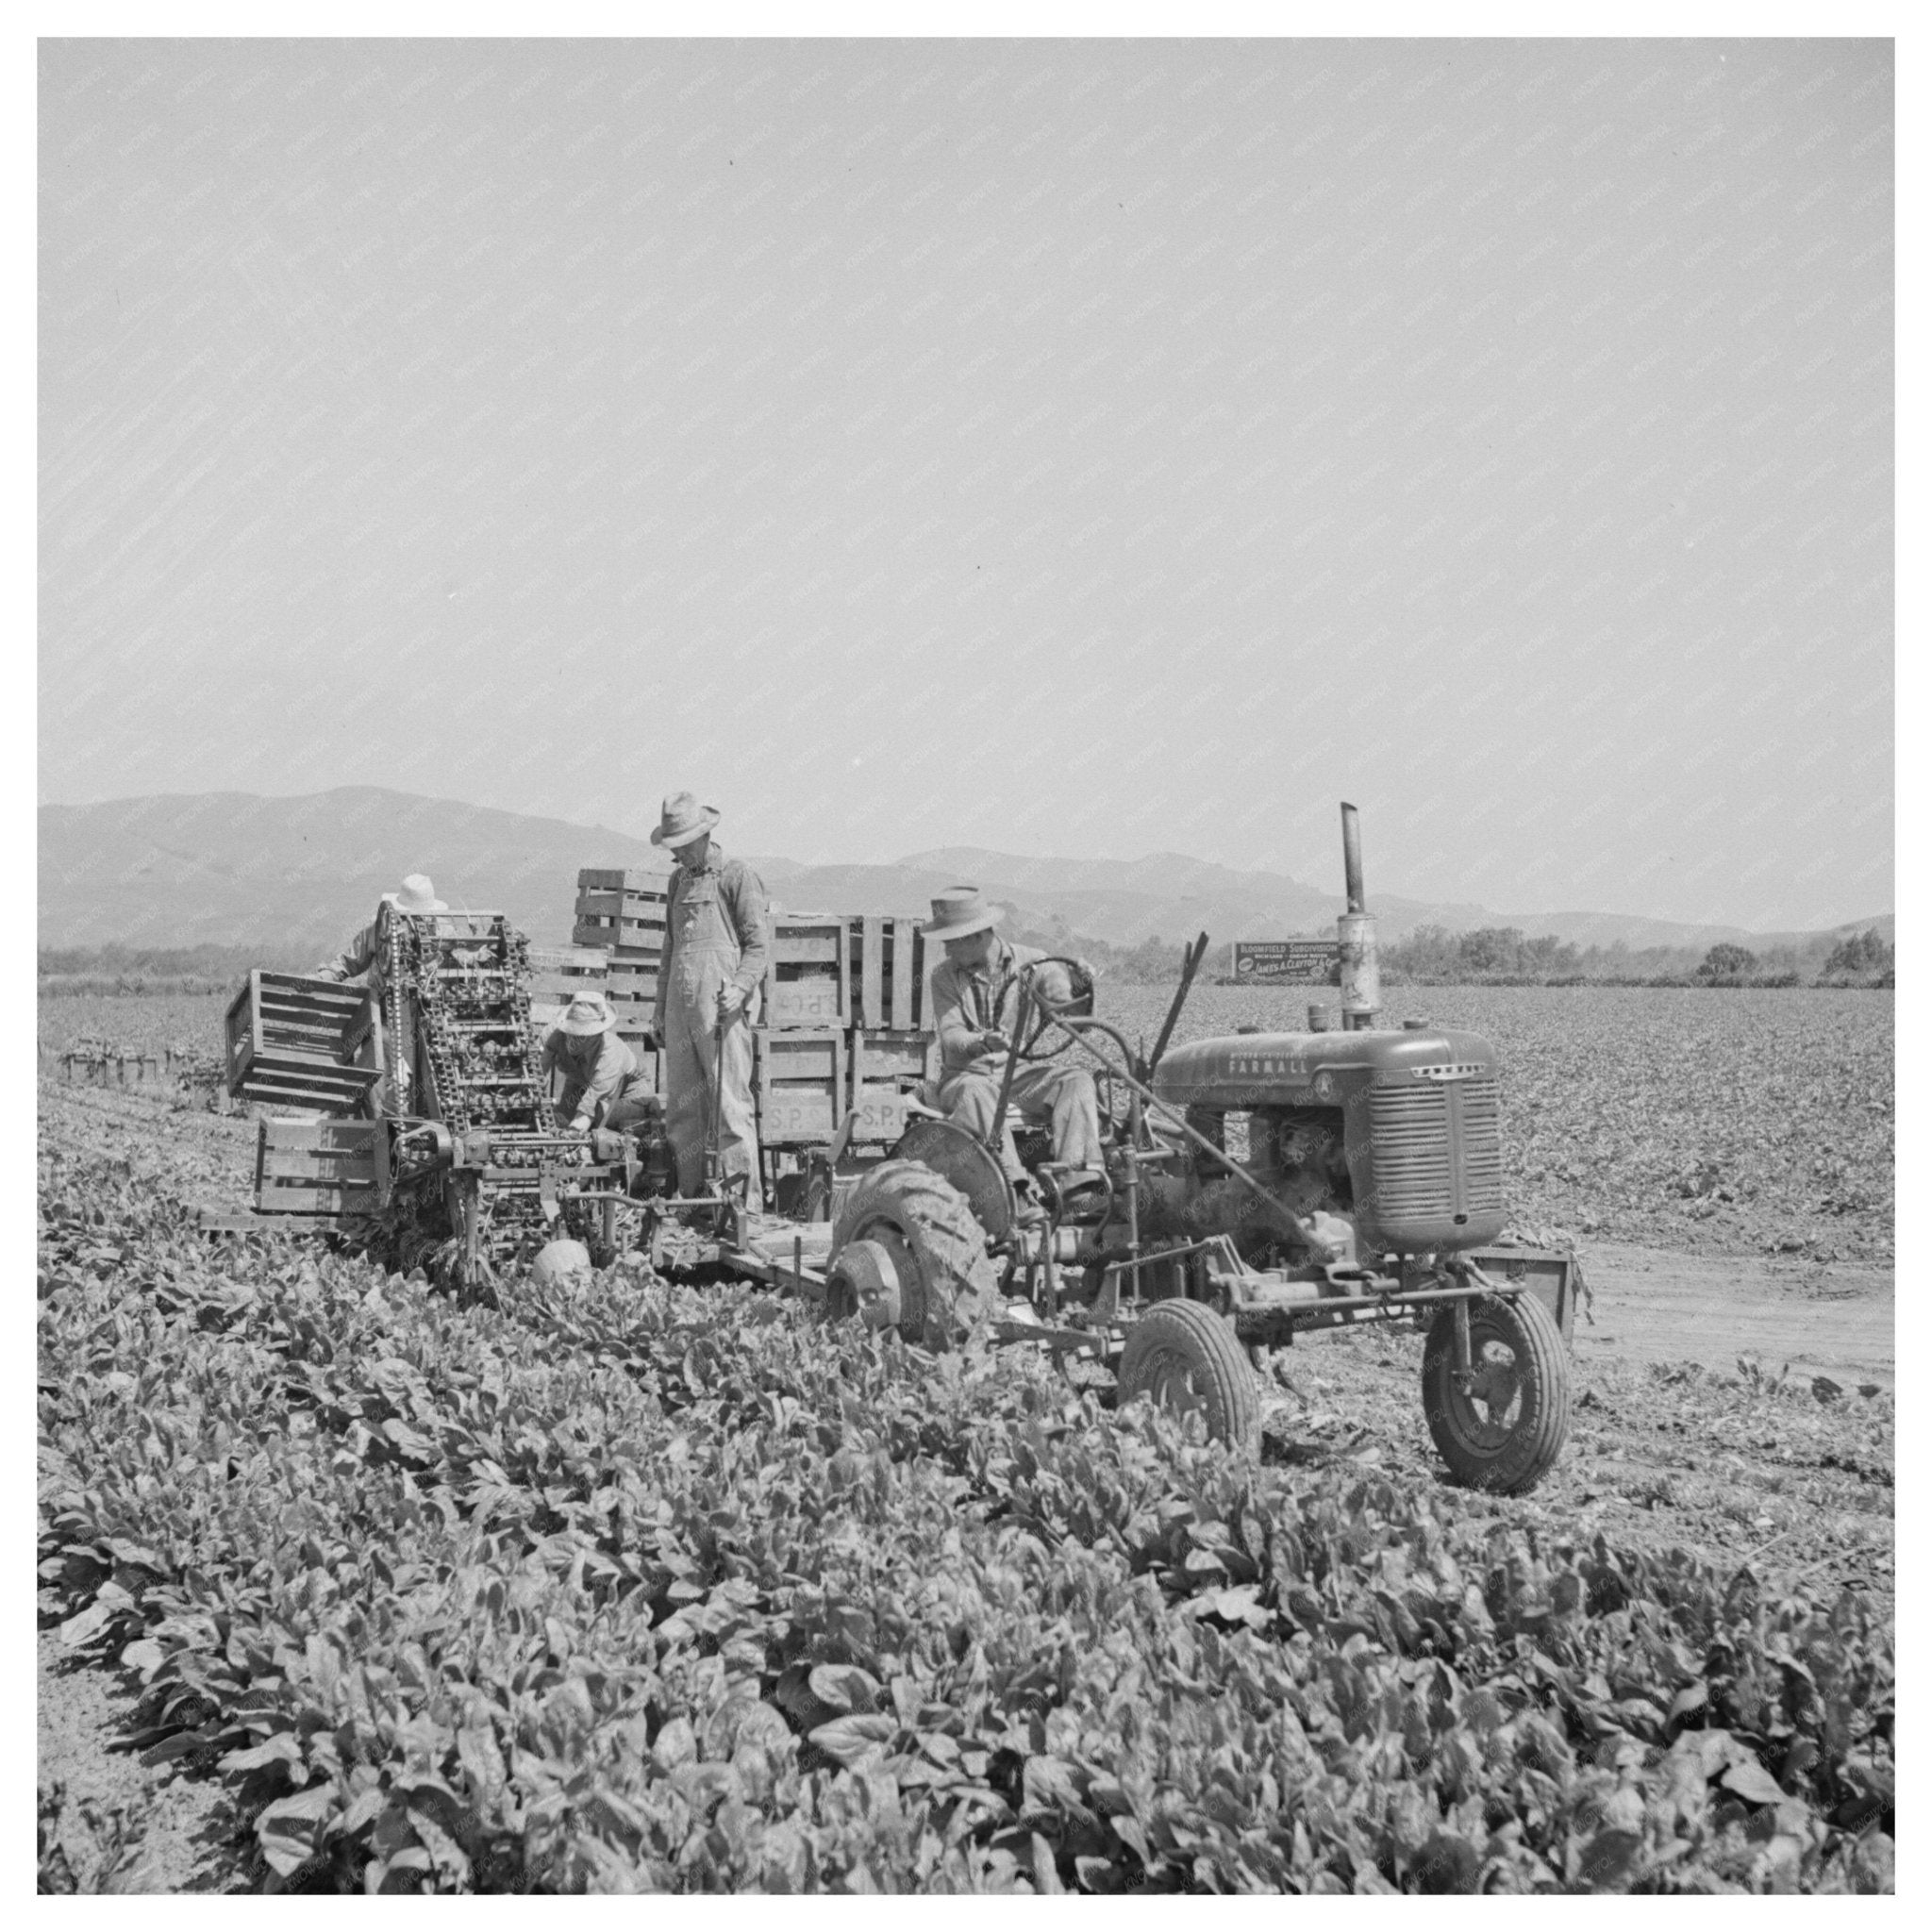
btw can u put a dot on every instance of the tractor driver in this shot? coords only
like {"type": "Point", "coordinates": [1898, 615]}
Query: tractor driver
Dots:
{"type": "Point", "coordinates": [976, 995]}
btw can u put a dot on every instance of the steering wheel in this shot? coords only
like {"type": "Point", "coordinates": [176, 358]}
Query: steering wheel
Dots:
{"type": "Point", "coordinates": [1042, 1011]}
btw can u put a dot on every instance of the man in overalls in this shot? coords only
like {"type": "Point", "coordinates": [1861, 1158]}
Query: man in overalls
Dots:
{"type": "Point", "coordinates": [716, 937]}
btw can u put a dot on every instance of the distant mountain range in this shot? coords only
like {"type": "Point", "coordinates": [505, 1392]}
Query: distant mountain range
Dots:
{"type": "Point", "coordinates": [229, 868]}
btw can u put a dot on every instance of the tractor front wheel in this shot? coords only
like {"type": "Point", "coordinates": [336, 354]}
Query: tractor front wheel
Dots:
{"type": "Point", "coordinates": [920, 1235]}
{"type": "Point", "coordinates": [1186, 1356]}
{"type": "Point", "coordinates": [1500, 1423]}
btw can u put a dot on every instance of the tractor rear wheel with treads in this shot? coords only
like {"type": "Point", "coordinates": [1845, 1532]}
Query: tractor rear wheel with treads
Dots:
{"type": "Point", "coordinates": [1186, 1356]}
{"type": "Point", "coordinates": [946, 1279]}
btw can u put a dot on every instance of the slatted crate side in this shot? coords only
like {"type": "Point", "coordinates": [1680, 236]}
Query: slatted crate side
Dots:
{"type": "Point", "coordinates": [801, 1086]}
{"type": "Point", "coordinates": [883, 1056]}
{"type": "Point", "coordinates": [805, 980]}
{"type": "Point", "coordinates": [795, 1116]}
{"type": "Point", "coordinates": [587, 962]}
{"type": "Point", "coordinates": [808, 939]}
{"type": "Point", "coordinates": [619, 935]}
{"type": "Point", "coordinates": [907, 974]}
{"type": "Point", "coordinates": [886, 960]}
{"type": "Point", "coordinates": [594, 878]}
{"type": "Point", "coordinates": [819, 1056]}
{"type": "Point", "coordinates": [325, 1088]}
{"type": "Point", "coordinates": [316, 1167]}
{"type": "Point", "coordinates": [294, 1038]}
{"type": "Point", "coordinates": [636, 919]}
{"type": "Point", "coordinates": [632, 968]}
{"type": "Point", "coordinates": [883, 1111]}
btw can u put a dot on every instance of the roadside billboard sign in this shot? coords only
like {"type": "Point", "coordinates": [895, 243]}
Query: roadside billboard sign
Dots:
{"type": "Point", "coordinates": [1286, 962]}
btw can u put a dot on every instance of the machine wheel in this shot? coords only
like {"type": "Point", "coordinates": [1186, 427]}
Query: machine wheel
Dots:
{"type": "Point", "coordinates": [946, 1281]}
{"type": "Point", "coordinates": [1186, 1356]}
{"type": "Point", "coordinates": [1500, 1426]}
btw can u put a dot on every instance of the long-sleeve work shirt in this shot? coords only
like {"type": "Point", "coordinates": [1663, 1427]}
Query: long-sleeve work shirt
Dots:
{"type": "Point", "coordinates": [742, 910]}
{"type": "Point", "coordinates": [363, 954]}
{"type": "Point", "coordinates": [595, 1068]}
{"type": "Point", "coordinates": [968, 1001]}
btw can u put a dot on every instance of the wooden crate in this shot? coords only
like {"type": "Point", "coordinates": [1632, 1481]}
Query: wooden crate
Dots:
{"type": "Point", "coordinates": [630, 915]}
{"type": "Point", "coordinates": [297, 1041]}
{"type": "Point", "coordinates": [631, 976]}
{"type": "Point", "coordinates": [806, 984]}
{"type": "Point", "coordinates": [883, 1111]}
{"type": "Point", "coordinates": [321, 1170]}
{"type": "Point", "coordinates": [801, 1086]}
{"type": "Point", "coordinates": [889, 971]}
{"type": "Point", "coordinates": [898, 1057]}
{"type": "Point", "coordinates": [594, 878]}
{"type": "Point", "coordinates": [561, 974]}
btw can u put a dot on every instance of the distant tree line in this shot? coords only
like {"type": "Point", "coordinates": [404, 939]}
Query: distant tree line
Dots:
{"type": "Point", "coordinates": [1428, 956]}
{"type": "Point", "coordinates": [1504, 956]}
{"type": "Point", "coordinates": [115, 968]}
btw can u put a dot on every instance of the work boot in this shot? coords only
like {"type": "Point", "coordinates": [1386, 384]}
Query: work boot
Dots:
{"type": "Point", "coordinates": [1027, 1209]}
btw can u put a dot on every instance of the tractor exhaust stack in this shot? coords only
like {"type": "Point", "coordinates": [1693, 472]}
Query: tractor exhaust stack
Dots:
{"type": "Point", "coordinates": [1361, 981]}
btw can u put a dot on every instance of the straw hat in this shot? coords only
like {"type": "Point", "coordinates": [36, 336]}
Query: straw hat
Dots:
{"type": "Point", "coordinates": [682, 820]}
{"type": "Point", "coordinates": [417, 896]}
{"type": "Point", "coordinates": [958, 911]}
{"type": "Point", "coordinates": [587, 1014]}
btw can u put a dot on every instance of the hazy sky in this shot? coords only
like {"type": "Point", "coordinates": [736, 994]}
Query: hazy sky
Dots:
{"type": "Point", "coordinates": [1078, 447]}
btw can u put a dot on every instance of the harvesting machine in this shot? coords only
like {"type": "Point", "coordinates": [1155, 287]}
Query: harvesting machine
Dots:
{"type": "Point", "coordinates": [1256, 1187]}
{"type": "Point", "coordinates": [421, 1104]}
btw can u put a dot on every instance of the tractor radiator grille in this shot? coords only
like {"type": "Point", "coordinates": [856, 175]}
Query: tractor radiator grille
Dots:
{"type": "Point", "coordinates": [1437, 1162]}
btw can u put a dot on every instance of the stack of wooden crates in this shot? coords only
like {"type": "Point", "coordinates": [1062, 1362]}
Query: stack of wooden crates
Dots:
{"type": "Point", "coordinates": [845, 1009]}
{"type": "Point", "coordinates": [619, 935]}
{"type": "Point", "coordinates": [845, 1026]}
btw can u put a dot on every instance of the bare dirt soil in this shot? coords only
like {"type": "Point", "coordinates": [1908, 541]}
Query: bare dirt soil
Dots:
{"type": "Point", "coordinates": [109, 1823]}
{"type": "Point", "coordinates": [1833, 1319]}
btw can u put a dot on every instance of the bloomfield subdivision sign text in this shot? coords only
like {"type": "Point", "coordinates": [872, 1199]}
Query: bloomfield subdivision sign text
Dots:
{"type": "Point", "coordinates": [1286, 962]}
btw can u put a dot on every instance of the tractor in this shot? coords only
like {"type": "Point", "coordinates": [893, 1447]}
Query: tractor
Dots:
{"type": "Point", "coordinates": [1256, 1187]}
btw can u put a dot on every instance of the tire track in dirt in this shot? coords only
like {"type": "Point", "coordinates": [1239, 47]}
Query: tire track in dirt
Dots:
{"type": "Point", "coordinates": [1834, 1318]}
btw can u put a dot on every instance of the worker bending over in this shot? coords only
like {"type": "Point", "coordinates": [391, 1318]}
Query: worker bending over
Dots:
{"type": "Point", "coordinates": [603, 1084]}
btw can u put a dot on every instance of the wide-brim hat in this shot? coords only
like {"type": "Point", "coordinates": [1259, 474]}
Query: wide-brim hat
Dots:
{"type": "Point", "coordinates": [586, 1015]}
{"type": "Point", "coordinates": [960, 911]}
{"type": "Point", "coordinates": [682, 820]}
{"type": "Point", "coordinates": [418, 895]}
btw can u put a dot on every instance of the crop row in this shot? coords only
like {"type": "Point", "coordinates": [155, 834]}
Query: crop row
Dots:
{"type": "Point", "coordinates": [651, 1588]}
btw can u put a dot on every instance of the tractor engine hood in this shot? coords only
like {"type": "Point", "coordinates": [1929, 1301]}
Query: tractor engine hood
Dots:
{"type": "Point", "coordinates": [1243, 1071]}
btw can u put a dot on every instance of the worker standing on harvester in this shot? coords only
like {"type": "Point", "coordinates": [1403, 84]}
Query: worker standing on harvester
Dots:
{"type": "Point", "coordinates": [362, 958]}
{"type": "Point", "coordinates": [975, 998]}
{"type": "Point", "coordinates": [716, 938]}
{"type": "Point", "coordinates": [603, 1084]}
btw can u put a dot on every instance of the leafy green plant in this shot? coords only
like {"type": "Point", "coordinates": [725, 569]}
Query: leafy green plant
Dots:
{"type": "Point", "coordinates": [634, 1587]}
